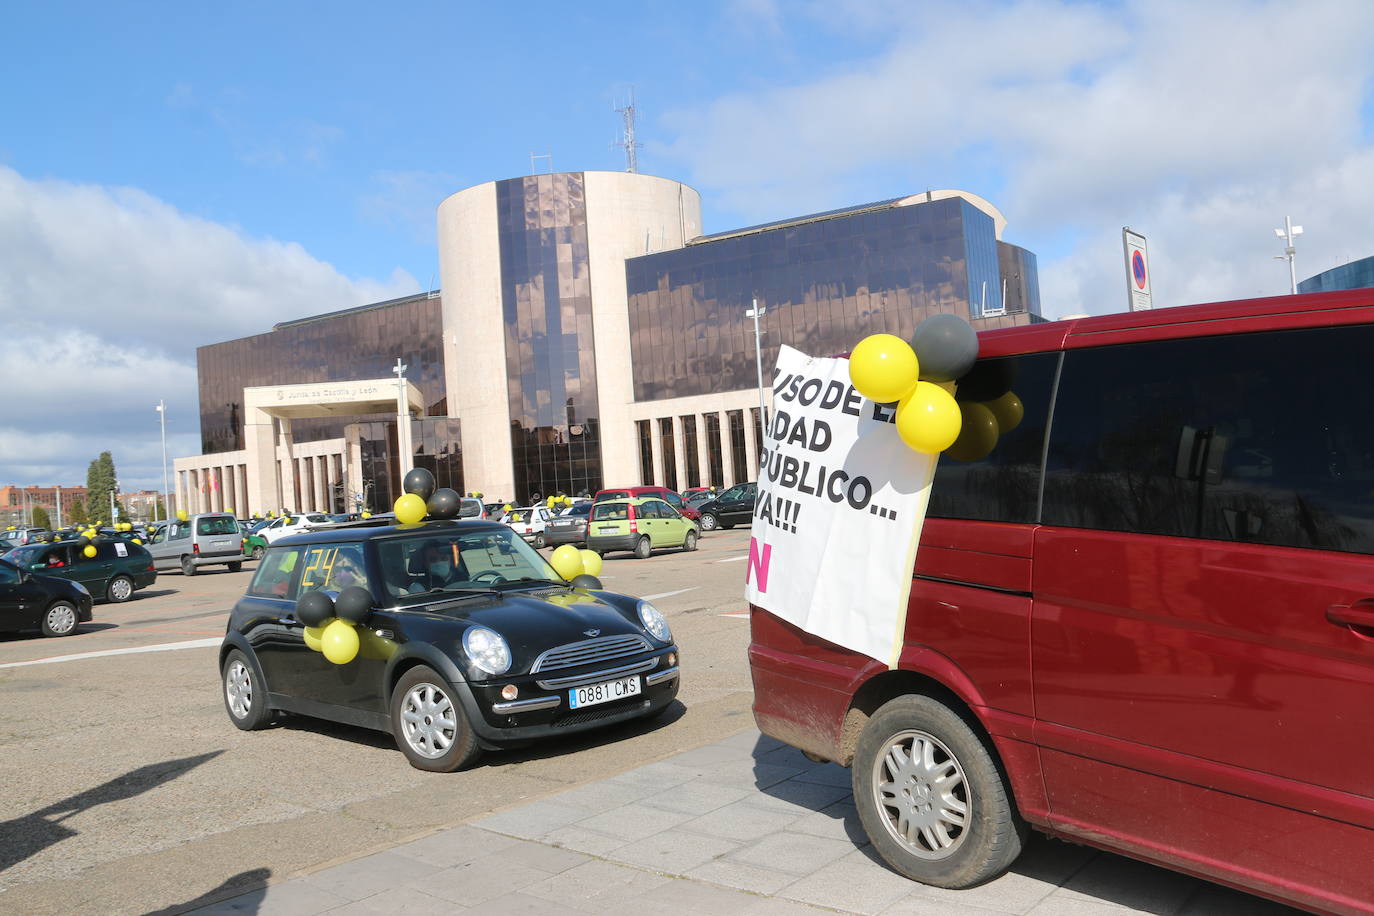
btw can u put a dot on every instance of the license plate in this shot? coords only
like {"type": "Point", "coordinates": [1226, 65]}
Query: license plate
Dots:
{"type": "Point", "coordinates": [604, 692]}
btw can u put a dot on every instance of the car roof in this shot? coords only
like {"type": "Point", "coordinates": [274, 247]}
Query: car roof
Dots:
{"type": "Point", "coordinates": [365, 531]}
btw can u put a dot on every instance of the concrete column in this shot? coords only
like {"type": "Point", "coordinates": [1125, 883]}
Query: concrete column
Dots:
{"type": "Point", "coordinates": [656, 447]}
{"type": "Point", "coordinates": [680, 450]}
{"type": "Point", "coordinates": [288, 465]}
{"type": "Point", "coordinates": [260, 480]}
{"type": "Point", "coordinates": [727, 451]}
{"type": "Point", "coordinates": [323, 472]}
{"type": "Point", "coordinates": [353, 464]}
{"type": "Point", "coordinates": [751, 451]}
{"type": "Point", "coordinates": [703, 454]}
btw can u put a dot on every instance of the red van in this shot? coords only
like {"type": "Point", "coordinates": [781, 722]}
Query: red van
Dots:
{"type": "Point", "coordinates": [1144, 622]}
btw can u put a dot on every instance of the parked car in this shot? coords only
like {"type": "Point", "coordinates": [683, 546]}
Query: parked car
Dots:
{"type": "Point", "coordinates": [569, 526]}
{"type": "Point", "coordinates": [205, 539]}
{"type": "Point", "coordinates": [1143, 621]}
{"type": "Point", "coordinates": [18, 537]}
{"type": "Point", "coordinates": [671, 497]}
{"type": "Point", "coordinates": [699, 499]}
{"type": "Point", "coordinates": [733, 507]}
{"type": "Point", "coordinates": [254, 546]}
{"type": "Point", "coordinates": [36, 601]}
{"type": "Point", "coordinates": [471, 507]}
{"type": "Point", "coordinates": [286, 525]}
{"type": "Point", "coordinates": [530, 523]}
{"type": "Point", "coordinates": [638, 525]}
{"type": "Point", "coordinates": [473, 642]}
{"type": "Point", "coordinates": [118, 569]}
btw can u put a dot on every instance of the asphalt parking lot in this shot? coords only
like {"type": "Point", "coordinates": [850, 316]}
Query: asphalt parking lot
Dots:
{"type": "Point", "coordinates": [128, 791]}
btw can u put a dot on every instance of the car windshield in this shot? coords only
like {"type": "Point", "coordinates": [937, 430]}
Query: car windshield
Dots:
{"type": "Point", "coordinates": [453, 561]}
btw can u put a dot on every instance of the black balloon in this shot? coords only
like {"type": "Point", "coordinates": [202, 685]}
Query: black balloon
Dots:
{"type": "Point", "coordinates": [314, 608]}
{"type": "Point", "coordinates": [444, 503]}
{"type": "Point", "coordinates": [988, 380]}
{"type": "Point", "coordinates": [945, 346]}
{"type": "Point", "coordinates": [353, 604]}
{"type": "Point", "coordinates": [420, 482]}
{"type": "Point", "coordinates": [586, 581]}
{"type": "Point", "coordinates": [83, 541]}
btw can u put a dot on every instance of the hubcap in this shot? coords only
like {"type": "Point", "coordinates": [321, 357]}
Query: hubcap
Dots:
{"type": "Point", "coordinates": [921, 792]}
{"type": "Point", "coordinates": [428, 720]}
{"type": "Point", "coordinates": [238, 689]}
{"type": "Point", "coordinates": [121, 589]}
{"type": "Point", "coordinates": [61, 619]}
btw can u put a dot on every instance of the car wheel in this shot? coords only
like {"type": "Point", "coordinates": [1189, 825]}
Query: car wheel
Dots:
{"type": "Point", "coordinates": [245, 698]}
{"type": "Point", "coordinates": [121, 588]}
{"type": "Point", "coordinates": [257, 552]}
{"type": "Point", "coordinates": [188, 566]}
{"type": "Point", "coordinates": [428, 723]}
{"type": "Point", "coordinates": [642, 548]}
{"type": "Point", "coordinates": [539, 541]}
{"type": "Point", "coordinates": [690, 541]}
{"type": "Point", "coordinates": [932, 798]}
{"type": "Point", "coordinates": [60, 619]}
{"type": "Point", "coordinates": [708, 522]}
{"type": "Point", "coordinates": [235, 566]}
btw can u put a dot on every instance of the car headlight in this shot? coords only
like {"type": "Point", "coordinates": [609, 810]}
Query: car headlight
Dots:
{"type": "Point", "coordinates": [487, 650]}
{"type": "Point", "coordinates": [654, 622]}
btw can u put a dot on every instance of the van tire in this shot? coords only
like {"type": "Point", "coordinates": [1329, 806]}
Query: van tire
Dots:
{"type": "Point", "coordinates": [235, 566]}
{"type": "Point", "coordinates": [988, 833]}
{"type": "Point", "coordinates": [643, 548]}
{"type": "Point", "coordinates": [188, 566]}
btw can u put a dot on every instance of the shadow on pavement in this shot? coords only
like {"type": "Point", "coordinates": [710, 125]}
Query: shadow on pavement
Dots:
{"type": "Point", "coordinates": [241, 893]}
{"type": "Point", "coordinates": [31, 834]}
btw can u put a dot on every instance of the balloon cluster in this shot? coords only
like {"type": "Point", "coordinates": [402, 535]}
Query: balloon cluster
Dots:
{"type": "Point", "coordinates": [422, 499]}
{"type": "Point", "coordinates": [579, 567]}
{"type": "Point", "coordinates": [555, 501]}
{"type": "Point", "coordinates": [331, 624]}
{"type": "Point", "coordinates": [921, 378]}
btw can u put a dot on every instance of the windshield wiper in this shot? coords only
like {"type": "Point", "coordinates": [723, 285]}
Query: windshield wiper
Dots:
{"type": "Point", "coordinates": [527, 580]}
{"type": "Point", "coordinates": [456, 591]}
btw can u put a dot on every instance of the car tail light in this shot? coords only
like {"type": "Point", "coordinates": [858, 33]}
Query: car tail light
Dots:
{"type": "Point", "coordinates": [152, 568]}
{"type": "Point", "coordinates": [634, 526]}
{"type": "Point", "coordinates": [195, 548]}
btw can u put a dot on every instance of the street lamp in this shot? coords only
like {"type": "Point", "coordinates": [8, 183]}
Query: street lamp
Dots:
{"type": "Point", "coordinates": [1289, 233]}
{"type": "Point", "coordinates": [755, 313]}
{"type": "Point", "coordinates": [162, 419]}
{"type": "Point", "coordinates": [403, 444]}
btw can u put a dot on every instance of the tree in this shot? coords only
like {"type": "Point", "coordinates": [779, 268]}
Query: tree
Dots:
{"type": "Point", "coordinates": [40, 518]}
{"type": "Point", "coordinates": [76, 514]}
{"type": "Point", "coordinates": [100, 483]}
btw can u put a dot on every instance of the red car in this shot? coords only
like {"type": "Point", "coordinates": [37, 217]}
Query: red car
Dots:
{"type": "Point", "coordinates": [671, 497]}
{"type": "Point", "coordinates": [1143, 622]}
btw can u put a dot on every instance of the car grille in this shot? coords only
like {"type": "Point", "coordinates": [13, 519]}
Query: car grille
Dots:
{"type": "Point", "coordinates": [590, 651]}
{"type": "Point", "coordinates": [595, 715]}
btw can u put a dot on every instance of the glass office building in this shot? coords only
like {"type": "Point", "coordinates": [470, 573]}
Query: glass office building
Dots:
{"type": "Point", "coordinates": [1354, 275]}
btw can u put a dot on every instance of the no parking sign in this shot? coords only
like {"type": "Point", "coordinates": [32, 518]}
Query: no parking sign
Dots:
{"type": "Point", "coordinates": [1137, 269]}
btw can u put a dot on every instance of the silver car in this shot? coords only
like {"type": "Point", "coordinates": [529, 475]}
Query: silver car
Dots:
{"type": "Point", "coordinates": [208, 539]}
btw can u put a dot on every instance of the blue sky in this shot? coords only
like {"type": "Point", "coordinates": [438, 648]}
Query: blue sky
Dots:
{"type": "Point", "coordinates": [172, 175]}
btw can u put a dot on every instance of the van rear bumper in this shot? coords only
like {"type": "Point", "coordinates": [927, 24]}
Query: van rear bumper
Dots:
{"type": "Point", "coordinates": [797, 702]}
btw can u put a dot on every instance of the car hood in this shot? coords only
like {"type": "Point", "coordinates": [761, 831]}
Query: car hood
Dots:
{"type": "Point", "coordinates": [540, 619]}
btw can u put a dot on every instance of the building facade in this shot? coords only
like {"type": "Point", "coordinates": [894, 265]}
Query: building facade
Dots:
{"type": "Point", "coordinates": [590, 335]}
{"type": "Point", "coordinates": [1353, 275]}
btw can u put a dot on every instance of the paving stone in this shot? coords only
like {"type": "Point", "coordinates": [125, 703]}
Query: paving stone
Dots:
{"type": "Point", "coordinates": [754, 776]}
{"type": "Point", "coordinates": [1011, 893]}
{"type": "Point", "coordinates": [830, 774]}
{"type": "Point", "coordinates": [370, 875]}
{"type": "Point", "coordinates": [515, 904]}
{"type": "Point", "coordinates": [924, 906]}
{"type": "Point", "coordinates": [477, 882]}
{"type": "Point", "coordinates": [580, 839]}
{"type": "Point", "coordinates": [776, 906]}
{"type": "Point", "coordinates": [755, 878]}
{"type": "Point", "coordinates": [839, 821]}
{"type": "Point", "coordinates": [533, 820]}
{"type": "Point", "coordinates": [656, 776]}
{"type": "Point", "coordinates": [756, 742]}
{"type": "Point", "coordinates": [740, 821]}
{"type": "Point", "coordinates": [548, 859]}
{"type": "Point", "coordinates": [1129, 883]}
{"type": "Point", "coordinates": [593, 887]}
{"type": "Point", "coordinates": [710, 755]}
{"type": "Point", "coordinates": [1214, 900]}
{"type": "Point", "coordinates": [792, 795]}
{"type": "Point", "coordinates": [448, 848]}
{"type": "Point", "coordinates": [401, 901]}
{"type": "Point", "coordinates": [853, 884]}
{"type": "Point", "coordinates": [700, 796]}
{"type": "Point", "coordinates": [787, 757]}
{"type": "Point", "coordinates": [794, 852]}
{"type": "Point", "coordinates": [290, 898]}
{"type": "Point", "coordinates": [634, 821]}
{"type": "Point", "coordinates": [678, 897]}
{"type": "Point", "coordinates": [601, 796]}
{"type": "Point", "coordinates": [674, 851]}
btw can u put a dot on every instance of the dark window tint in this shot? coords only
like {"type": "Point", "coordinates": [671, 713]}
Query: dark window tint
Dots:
{"type": "Point", "coordinates": [648, 509]}
{"type": "Point", "coordinates": [1254, 438]}
{"type": "Point", "coordinates": [277, 574]}
{"type": "Point", "coordinates": [1003, 485]}
{"type": "Point", "coordinates": [8, 574]}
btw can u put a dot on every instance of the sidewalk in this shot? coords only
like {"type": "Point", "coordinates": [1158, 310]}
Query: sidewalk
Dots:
{"type": "Point", "coordinates": [744, 827]}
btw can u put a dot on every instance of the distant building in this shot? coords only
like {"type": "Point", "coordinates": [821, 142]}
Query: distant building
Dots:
{"type": "Point", "coordinates": [588, 335]}
{"type": "Point", "coordinates": [141, 506]}
{"type": "Point", "coordinates": [1354, 275]}
{"type": "Point", "coordinates": [17, 503]}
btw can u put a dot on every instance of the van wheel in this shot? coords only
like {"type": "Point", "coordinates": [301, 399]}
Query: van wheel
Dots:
{"type": "Point", "coordinates": [642, 548]}
{"type": "Point", "coordinates": [428, 723]}
{"type": "Point", "coordinates": [188, 566]}
{"type": "Point", "coordinates": [690, 541]}
{"type": "Point", "coordinates": [932, 798]}
{"type": "Point", "coordinates": [235, 566]}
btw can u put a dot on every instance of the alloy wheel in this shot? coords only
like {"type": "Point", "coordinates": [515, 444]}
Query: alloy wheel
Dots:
{"type": "Point", "coordinates": [428, 720]}
{"type": "Point", "coordinates": [238, 689]}
{"type": "Point", "coordinates": [920, 789]}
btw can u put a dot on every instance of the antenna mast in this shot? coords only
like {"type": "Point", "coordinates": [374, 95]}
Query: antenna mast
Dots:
{"type": "Point", "coordinates": [628, 143]}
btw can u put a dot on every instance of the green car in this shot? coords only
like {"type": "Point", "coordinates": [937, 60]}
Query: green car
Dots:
{"type": "Point", "coordinates": [254, 546]}
{"type": "Point", "coordinates": [638, 525]}
{"type": "Point", "coordinates": [118, 569]}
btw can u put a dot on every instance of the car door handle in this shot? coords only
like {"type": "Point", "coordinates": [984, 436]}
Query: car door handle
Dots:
{"type": "Point", "coordinates": [289, 622]}
{"type": "Point", "coordinates": [1356, 614]}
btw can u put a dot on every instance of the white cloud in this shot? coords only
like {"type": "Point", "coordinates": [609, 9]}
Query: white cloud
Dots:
{"type": "Point", "coordinates": [1199, 124]}
{"type": "Point", "coordinates": [104, 295]}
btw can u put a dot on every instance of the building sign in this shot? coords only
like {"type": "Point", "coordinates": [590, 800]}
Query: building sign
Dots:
{"type": "Point", "coordinates": [1137, 270]}
{"type": "Point", "coordinates": [325, 394]}
{"type": "Point", "coordinates": [841, 501]}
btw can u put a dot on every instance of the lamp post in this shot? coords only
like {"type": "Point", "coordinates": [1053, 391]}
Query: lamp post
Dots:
{"type": "Point", "coordinates": [162, 419]}
{"type": "Point", "coordinates": [1289, 233]}
{"type": "Point", "coordinates": [402, 419]}
{"type": "Point", "coordinates": [755, 313]}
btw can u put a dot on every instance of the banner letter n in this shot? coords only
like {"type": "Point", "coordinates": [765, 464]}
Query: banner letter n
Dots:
{"type": "Point", "coordinates": [758, 563]}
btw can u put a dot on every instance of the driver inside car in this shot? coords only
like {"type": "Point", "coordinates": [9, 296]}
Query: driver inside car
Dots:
{"type": "Point", "coordinates": [436, 565]}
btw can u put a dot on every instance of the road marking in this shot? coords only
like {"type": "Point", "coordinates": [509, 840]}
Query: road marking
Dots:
{"type": "Point", "coordinates": [733, 559]}
{"type": "Point", "coordinates": [742, 615]}
{"type": "Point", "coordinates": [681, 591]}
{"type": "Point", "coordinates": [164, 647]}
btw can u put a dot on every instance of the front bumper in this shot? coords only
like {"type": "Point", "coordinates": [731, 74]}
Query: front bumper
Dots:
{"type": "Point", "coordinates": [607, 543]}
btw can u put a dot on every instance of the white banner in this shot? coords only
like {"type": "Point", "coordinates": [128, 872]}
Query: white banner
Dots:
{"type": "Point", "coordinates": [841, 501]}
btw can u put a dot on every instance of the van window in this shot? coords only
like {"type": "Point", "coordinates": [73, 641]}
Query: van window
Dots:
{"type": "Point", "coordinates": [216, 524]}
{"type": "Point", "coordinates": [1250, 437]}
{"type": "Point", "coordinates": [1004, 485]}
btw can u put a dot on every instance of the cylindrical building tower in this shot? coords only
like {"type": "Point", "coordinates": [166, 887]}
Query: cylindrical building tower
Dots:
{"type": "Point", "coordinates": [536, 323]}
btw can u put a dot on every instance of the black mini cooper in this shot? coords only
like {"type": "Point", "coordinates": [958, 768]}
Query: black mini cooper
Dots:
{"type": "Point", "coordinates": [470, 641]}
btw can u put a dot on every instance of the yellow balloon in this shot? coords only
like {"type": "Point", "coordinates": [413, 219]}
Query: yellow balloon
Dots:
{"type": "Point", "coordinates": [928, 420]}
{"type": "Point", "coordinates": [339, 641]}
{"type": "Point", "coordinates": [367, 515]}
{"type": "Point", "coordinates": [409, 509]}
{"type": "Point", "coordinates": [567, 562]}
{"type": "Point", "coordinates": [1008, 410]}
{"type": "Point", "coordinates": [551, 502]}
{"type": "Point", "coordinates": [181, 514]}
{"type": "Point", "coordinates": [88, 550]}
{"type": "Point", "coordinates": [978, 436]}
{"type": "Point", "coordinates": [313, 637]}
{"type": "Point", "coordinates": [591, 562]}
{"type": "Point", "coordinates": [883, 368]}
{"type": "Point", "coordinates": [507, 507]}
{"type": "Point", "coordinates": [138, 541]}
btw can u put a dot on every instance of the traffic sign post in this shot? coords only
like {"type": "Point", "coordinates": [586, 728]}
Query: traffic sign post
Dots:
{"type": "Point", "coordinates": [1137, 270]}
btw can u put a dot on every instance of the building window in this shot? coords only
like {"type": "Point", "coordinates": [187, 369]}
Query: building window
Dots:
{"type": "Point", "coordinates": [715, 463]}
{"type": "Point", "coordinates": [665, 427]}
{"type": "Point", "coordinates": [644, 430]}
{"type": "Point", "coordinates": [737, 448]}
{"type": "Point", "coordinates": [691, 460]}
